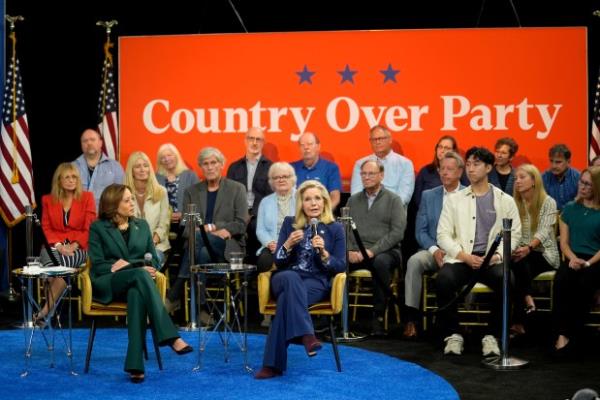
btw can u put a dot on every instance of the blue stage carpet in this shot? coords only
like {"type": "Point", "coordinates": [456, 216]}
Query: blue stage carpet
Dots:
{"type": "Point", "coordinates": [366, 375]}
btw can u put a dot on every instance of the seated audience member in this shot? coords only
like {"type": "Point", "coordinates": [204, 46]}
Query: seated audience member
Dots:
{"type": "Point", "coordinates": [429, 176]}
{"type": "Point", "coordinates": [95, 169]}
{"type": "Point", "coordinates": [595, 161]}
{"type": "Point", "coordinates": [176, 177]}
{"type": "Point", "coordinates": [430, 258]}
{"type": "Point", "coordinates": [67, 213]}
{"type": "Point", "coordinates": [399, 171]}
{"type": "Point", "coordinates": [272, 211]}
{"type": "Point", "coordinates": [377, 213]}
{"type": "Point", "coordinates": [578, 276]}
{"type": "Point", "coordinates": [223, 208]}
{"type": "Point", "coordinates": [537, 251]}
{"type": "Point", "coordinates": [305, 264]}
{"type": "Point", "coordinates": [151, 200]}
{"type": "Point", "coordinates": [503, 175]}
{"type": "Point", "coordinates": [252, 172]}
{"type": "Point", "coordinates": [118, 243]}
{"type": "Point", "coordinates": [313, 167]}
{"type": "Point", "coordinates": [468, 224]}
{"type": "Point", "coordinates": [560, 181]}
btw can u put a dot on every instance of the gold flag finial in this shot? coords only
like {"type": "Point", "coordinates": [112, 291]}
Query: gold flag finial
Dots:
{"type": "Point", "coordinates": [12, 20]}
{"type": "Point", "coordinates": [108, 44]}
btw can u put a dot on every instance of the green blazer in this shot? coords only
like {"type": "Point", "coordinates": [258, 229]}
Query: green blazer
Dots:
{"type": "Point", "coordinates": [106, 246]}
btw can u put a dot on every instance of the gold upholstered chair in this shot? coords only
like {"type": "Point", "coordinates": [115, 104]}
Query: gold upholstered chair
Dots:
{"type": "Point", "coordinates": [330, 308]}
{"type": "Point", "coordinates": [94, 310]}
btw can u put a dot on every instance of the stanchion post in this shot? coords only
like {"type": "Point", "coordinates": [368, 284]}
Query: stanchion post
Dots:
{"type": "Point", "coordinates": [504, 362]}
{"type": "Point", "coordinates": [192, 219]}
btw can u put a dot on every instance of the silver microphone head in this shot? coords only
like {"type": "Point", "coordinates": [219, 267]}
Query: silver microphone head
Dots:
{"type": "Point", "coordinates": [148, 259]}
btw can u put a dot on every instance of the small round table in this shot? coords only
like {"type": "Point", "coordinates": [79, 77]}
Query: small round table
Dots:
{"type": "Point", "coordinates": [26, 276]}
{"type": "Point", "coordinates": [228, 326]}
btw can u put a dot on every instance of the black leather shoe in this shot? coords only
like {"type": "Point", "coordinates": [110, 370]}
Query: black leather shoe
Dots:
{"type": "Point", "coordinates": [136, 378]}
{"type": "Point", "coordinates": [377, 327]}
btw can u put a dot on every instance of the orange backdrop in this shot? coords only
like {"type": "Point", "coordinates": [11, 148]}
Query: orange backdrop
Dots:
{"type": "Point", "coordinates": [476, 84]}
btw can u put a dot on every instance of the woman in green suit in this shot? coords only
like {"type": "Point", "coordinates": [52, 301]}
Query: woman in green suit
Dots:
{"type": "Point", "coordinates": [117, 245]}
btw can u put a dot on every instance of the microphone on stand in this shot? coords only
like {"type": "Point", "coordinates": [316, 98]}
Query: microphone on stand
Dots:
{"type": "Point", "coordinates": [148, 260]}
{"type": "Point", "coordinates": [313, 227]}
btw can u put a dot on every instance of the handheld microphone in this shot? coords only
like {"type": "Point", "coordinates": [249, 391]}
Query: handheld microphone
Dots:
{"type": "Point", "coordinates": [313, 227]}
{"type": "Point", "coordinates": [148, 260]}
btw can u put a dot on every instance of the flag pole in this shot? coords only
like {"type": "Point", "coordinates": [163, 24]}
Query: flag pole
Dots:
{"type": "Point", "coordinates": [12, 21]}
{"type": "Point", "coordinates": [107, 58]}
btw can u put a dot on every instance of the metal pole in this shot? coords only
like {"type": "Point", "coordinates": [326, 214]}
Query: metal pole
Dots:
{"type": "Point", "coordinates": [347, 336]}
{"type": "Point", "coordinates": [504, 362]}
{"type": "Point", "coordinates": [192, 219]}
{"type": "Point", "coordinates": [29, 221]}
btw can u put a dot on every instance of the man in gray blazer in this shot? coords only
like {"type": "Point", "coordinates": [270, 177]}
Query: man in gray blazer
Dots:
{"type": "Point", "coordinates": [430, 257]}
{"type": "Point", "coordinates": [223, 207]}
{"type": "Point", "coordinates": [380, 219]}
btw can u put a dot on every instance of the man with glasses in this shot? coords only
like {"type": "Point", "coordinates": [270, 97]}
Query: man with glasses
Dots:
{"type": "Point", "coordinates": [399, 170]}
{"type": "Point", "coordinates": [560, 181]}
{"type": "Point", "coordinates": [380, 231]}
{"type": "Point", "coordinates": [252, 171]}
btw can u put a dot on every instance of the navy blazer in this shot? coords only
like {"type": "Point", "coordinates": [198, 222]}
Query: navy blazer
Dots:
{"type": "Point", "coordinates": [238, 171]}
{"type": "Point", "coordinates": [428, 216]}
{"type": "Point", "coordinates": [335, 243]}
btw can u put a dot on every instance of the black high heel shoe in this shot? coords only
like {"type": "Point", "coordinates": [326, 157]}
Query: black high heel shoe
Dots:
{"type": "Point", "coordinates": [136, 377]}
{"type": "Point", "coordinates": [184, 350]}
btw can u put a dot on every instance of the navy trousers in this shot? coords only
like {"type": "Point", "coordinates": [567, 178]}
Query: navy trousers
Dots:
{"type": "Point", "coordinates": [294, 291]}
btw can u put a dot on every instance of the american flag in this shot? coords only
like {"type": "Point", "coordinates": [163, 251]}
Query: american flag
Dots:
{"type": "Point", "coordinates": [595, 135]}
{"type": "Point", "coordinates": [107, 112]}
{"type": "Point", "coordinates": [16, 172]}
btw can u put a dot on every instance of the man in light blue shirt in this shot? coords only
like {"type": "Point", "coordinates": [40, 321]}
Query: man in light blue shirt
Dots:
{"type": "Point", "coordinates": [399, 171]}
{"type": "Point", "coordinates": [96, 170]}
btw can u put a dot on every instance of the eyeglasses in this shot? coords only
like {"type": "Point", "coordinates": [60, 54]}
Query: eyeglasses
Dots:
{"type": "Point", "coordinates": [254, 139]}
{"type": "Point", "coordinates": [379, 139]}
{"type": "Point", "coordinates": [369, 174]}
{"type": "Point", "coordinates": [585, 183]}
{"type": "Point", "coordinates": [281, 177]}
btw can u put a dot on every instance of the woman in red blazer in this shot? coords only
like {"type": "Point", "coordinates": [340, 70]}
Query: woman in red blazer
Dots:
{"type": "Point", "coordinates": [67, 213]}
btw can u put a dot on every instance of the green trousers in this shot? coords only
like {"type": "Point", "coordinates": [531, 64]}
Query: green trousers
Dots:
{"type": "Point", "coordinates": [143, 303]}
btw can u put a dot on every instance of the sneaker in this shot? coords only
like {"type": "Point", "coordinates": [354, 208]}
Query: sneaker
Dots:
{"type": "Point", "coordinates": [489, 346]}
{"type": "Point", "coordinates": [454, 344]}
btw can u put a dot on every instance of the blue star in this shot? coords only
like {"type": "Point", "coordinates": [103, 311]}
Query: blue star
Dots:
{"type": "Point", "coordinates": [305, 75]}
{"type": "Point", "coordinates": [390, 74]}
{"type": "Point", "coordinates": [347, 75]}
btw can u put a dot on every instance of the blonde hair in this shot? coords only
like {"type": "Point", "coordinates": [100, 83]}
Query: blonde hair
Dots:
{"type": "Point", "coordinates": [537, 199]}
{"type": "Point", "coordinates": [57, 190]}
{"type": "Point", "coordinates": [327, 215]}
{"type": "Point", "coordinates": [179, 168]}
{"type": "Point", "coordinates": [595, 175]}
{"type": "Point", "coordinates": [152, 186]}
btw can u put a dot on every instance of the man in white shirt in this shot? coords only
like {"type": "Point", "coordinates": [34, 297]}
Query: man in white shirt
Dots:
{"type": "Point", "coordinates": [469, 222]}
{"type": "Point", "coordinates": [399, 170]}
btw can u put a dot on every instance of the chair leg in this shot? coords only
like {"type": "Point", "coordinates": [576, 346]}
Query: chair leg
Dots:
{"type": "Point", "coordinates": [156, 351]}
{"type": "Point", "coordinates": [334, 345]}
{"type": "Point", "coordinates": [88, 354]}
{"type": "Point", "coordinates": [145, 349]}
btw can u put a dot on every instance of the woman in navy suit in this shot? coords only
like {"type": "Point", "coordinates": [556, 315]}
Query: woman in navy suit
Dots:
{"type": "Point", "coordinates": [305, 264]}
